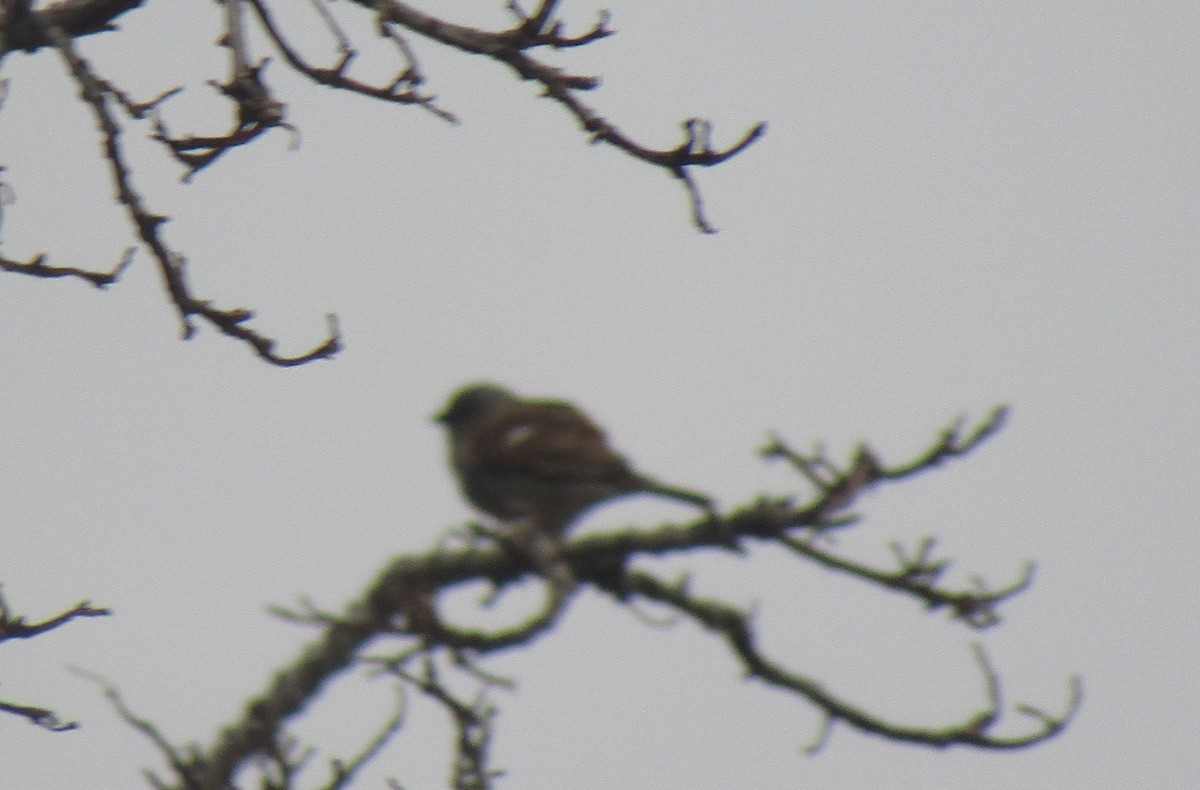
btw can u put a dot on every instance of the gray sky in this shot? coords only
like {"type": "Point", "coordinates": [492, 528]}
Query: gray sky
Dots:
{"type": "Point", "coordinates": [955, 206]}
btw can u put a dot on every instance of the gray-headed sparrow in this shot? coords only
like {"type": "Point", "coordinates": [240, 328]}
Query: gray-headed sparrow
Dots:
{"type": "Point", "coordinates": [539, 459]}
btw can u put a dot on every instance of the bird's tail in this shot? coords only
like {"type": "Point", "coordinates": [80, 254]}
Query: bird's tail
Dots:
{"type": "Point", "coordinates": [680, 494]}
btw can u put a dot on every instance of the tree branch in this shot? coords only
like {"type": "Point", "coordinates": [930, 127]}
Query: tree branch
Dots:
{"type": "Point", "coordinates": [171, 264]}
{"type": "Point", "coordinates": [256, 111]}
{"type": "Point", "coordinates": [510, 46]}
{"type": "Point", "coordinates": [37, 267]}
{"type": "Point", "coordinates": [472, 724]}
{"type": "Point", "coordinates": [25, 29]}
{"type": "Point", "coordinates": [735, 627]}
{"type": "Point", "coordinates": [403, 604]}
{"type": "Point", "coordinates": [17, 628]}
{"type": "Point", "coordinates": [401, 90]}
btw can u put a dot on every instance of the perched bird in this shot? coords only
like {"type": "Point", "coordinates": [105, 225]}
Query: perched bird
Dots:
{"type": "Point", "coordinates": [539, 459]}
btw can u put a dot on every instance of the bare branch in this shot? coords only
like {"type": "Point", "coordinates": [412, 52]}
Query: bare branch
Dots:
{"type": "Point", "coordinates": [919, 578]}
{"type": "Point", "coordinates": [257, 110]}
{"type": "Point", "coordinates": [344, 772]}
{"type": "Point", "coordinates": [331, 24]}
{"type": "Point", "coordinates": [918, 573]}
{"type": "Point", "coordinates": [171, 264]}
{"type": "Point", "coordinates": [402, 90]}
{"type": "Point", "coordinates": [404, 603]}
{"type": "Point", "coordinates": [37, 267]}
{"type": "Point", "coordinates": [16, 627]}
{"type": "Point", "coordinates": [422, 618]}
{"type": "Point", "coordinates": [257, 113]}
{"type": "Point", "coordinates": [26, 29]}
{"type": "Point", "coordinates": [735, 627]}
{"type": "Point", "coordinates": [510, 47]}
{"type": "Point", "coordinates": [838, 489]}
{"type": "Point", "coordinates": [473, 723]}
{"type": "Point", "coordinates": [42, 717]}
{"type": "Point", "coordinates": [174, 758]}
{"type": "Point", "coordinates": [953, 444]}
{"type": "Point", "coordinates": [539, 29]}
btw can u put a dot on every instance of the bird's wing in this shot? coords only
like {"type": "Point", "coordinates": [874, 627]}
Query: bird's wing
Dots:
{"type": "Point", "coordinates": [551, 441]}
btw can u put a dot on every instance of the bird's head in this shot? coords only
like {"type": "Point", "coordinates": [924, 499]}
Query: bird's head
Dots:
{"type": "Point", "coordinates": [475, 405]}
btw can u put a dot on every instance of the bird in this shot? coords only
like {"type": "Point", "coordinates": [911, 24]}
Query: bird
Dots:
{"type": "Point", "coordinates": [544, 460]}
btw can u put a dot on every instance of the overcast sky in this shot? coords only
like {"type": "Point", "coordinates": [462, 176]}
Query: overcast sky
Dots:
{"type": "Point", "coordinates": [956, 205]}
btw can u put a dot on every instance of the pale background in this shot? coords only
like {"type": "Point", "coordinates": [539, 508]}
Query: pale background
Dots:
{"type": "Point", "coordinates": [956, 205]}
